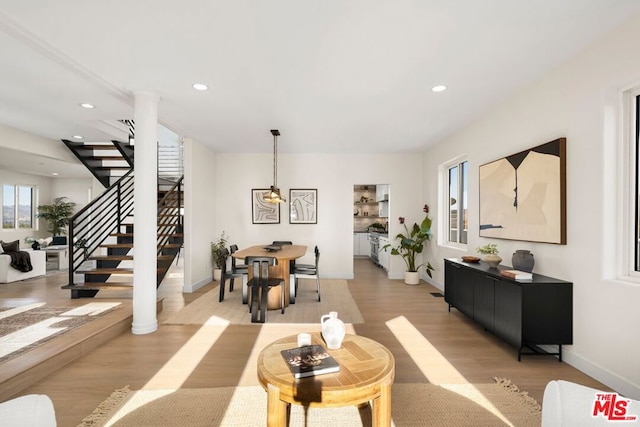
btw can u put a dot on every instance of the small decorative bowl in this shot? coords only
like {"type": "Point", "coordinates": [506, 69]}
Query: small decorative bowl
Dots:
{"type": "Point", "coordinates": [470, 259]}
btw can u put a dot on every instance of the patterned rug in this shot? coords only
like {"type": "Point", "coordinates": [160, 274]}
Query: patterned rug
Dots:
{"type": "Point", "coordinates": [26, 327]}
{"type": "Point", "coordinates": [496, 404]}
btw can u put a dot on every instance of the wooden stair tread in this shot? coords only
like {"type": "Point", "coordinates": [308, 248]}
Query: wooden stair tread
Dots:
{"type": "Point", "coordinates": [96, 286]}
{"type": "Point", "coordinates": [117, 245]}
{"type": "Point", "coordinates": [173, 245]}
{"type": "Point", "coordinates": [112, 257]}
{"type": "Point", "coordinates": [109, 271]}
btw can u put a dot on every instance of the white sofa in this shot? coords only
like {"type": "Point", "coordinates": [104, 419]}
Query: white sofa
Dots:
{"type": "Point", "coordinates": [9, 274]}
{"type": "Point", "coordinates": [566, 404]}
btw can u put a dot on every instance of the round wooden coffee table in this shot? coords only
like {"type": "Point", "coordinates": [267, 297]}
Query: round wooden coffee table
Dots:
{"type": "Point", "coordinates": [366, 373]}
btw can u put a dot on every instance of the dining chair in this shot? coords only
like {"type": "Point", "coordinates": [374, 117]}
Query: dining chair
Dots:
{"type": "Point", "coordinates": [305, 271]}
{"type": "Point", "coordinates": [260, 284]}
{"type": "Point", "coordinates": [236, 269]}
{"type": "Point", "coordinates": [231, 275]}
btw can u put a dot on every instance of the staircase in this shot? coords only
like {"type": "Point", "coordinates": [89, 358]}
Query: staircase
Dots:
{"type": "Point", "coordinates": [102, 257]}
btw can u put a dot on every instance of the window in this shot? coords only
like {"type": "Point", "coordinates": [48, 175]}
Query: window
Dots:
{"type": "Point", "coordinates": [454, 202]}
{"type": "Point", "coordinates": [634, 131]}
{"type": "Point", "coordinates": [17, 206]}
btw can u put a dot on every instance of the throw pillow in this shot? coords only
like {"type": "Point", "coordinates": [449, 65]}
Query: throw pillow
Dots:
{"type": "Point", "coordinates": [11, 246]}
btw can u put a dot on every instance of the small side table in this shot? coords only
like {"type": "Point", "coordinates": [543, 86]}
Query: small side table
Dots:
{"type": "Point", "coordinates": [58, 253]}
{"type": "Point", "coordinates": [367, 370]}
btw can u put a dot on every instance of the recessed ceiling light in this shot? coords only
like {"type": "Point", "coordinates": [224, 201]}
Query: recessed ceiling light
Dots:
{"type": "Point", "coordinates": [78, 136]}
{"type": "Point", "coordinates": [55, 173]}
{"type": "Point", "coordinates": [439, 88]}
{"type": "Point", "coordinates": [86, 105]}
{"type": "Point", "coordinates": [200, 86]}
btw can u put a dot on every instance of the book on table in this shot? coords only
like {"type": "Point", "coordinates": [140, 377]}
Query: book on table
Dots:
{"type": "Point", "coordinates": [309, 361]}
{"type": "Point", "coordinates": [516, 274]}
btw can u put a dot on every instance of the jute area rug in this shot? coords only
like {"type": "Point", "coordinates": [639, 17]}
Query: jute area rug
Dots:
{"type": "Point", "coordinates": [206, 310]}
{"type": "Point", "coordinates": [499, 404]}
{"type": "Point", "coordinates": [26, 327]}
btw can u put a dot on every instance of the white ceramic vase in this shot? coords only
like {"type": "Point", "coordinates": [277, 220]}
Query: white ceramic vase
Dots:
{"type": "Point", "coordinates": [333, 330]}
{"type": "Point", "coordinates": [217, 274]}
{"type": "Point", "coordinates": [411, 277]}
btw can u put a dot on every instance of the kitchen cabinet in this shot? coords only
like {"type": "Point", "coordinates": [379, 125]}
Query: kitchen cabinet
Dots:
{"type": "Point", "coordinates": [365, 245]}
{"type": "Point", "coordinates": [525, 314]}
{"type": "Point", "coordinates": [361, 245]}
{"type": "Point", "coordinates": [384, 256]}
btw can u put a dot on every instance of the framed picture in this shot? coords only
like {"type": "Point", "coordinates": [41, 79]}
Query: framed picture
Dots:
{"type": "Point", "coordinates": [303, 206]}
{"type": "Point", "coordinates": [523, 196]}
{"type": "Point", "coordinates": [263, 212]}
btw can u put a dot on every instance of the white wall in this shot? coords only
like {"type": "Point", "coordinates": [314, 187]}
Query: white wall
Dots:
{"type": "Point", "coordinates": [580, 101]}
{"type": "Point", "coordinates": [23, 141]}
{"type": "Point", "coordinates": [334, 176]}
{"type": "Point", "coordinates": [80, 191]}
{"type": "Point", "coordinates": [201, 181]}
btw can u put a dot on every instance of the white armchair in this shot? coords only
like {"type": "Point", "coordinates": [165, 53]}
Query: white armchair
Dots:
{"type": "Point", "coordinates": [33, 410]}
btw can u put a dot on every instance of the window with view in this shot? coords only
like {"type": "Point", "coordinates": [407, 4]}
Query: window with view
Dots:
{"type": "Point", "coordinates": [455, 202]}
{"type": "Point", "coordinates": [17, 207]}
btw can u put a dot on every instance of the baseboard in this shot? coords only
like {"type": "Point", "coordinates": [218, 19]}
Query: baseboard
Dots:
{"type": "Point", "coordinates": [606, 377]}
{"type": "Point", "coordinates": [187, 289]}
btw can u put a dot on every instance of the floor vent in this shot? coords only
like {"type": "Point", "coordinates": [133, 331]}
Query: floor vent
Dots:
{"type": "Point", "coordinates": [437, 294]}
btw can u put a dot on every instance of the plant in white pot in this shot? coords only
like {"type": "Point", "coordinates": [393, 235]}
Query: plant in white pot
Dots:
{"type": "Point", "coordinates": [218, 249]}
{"type": "Point", "coordinates": [411, 244]}
{"type": "Point", "coordinates": [490, 252]}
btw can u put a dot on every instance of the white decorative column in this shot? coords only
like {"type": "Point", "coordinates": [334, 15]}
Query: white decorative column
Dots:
{"type": "Point", "coordinates": [145, 217]}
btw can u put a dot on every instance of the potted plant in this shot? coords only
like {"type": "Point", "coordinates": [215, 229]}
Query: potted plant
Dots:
{"type": "Point", "coordinates": [490, 252]}
{"type": "Point", "coordinates": [218, 255]}
{"type": "Point", "coordinates": [411, 244]}
{"type": "Point", "coordinates": [57, 214]}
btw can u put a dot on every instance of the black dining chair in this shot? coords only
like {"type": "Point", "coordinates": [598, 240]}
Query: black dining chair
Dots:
{"type": "Point", "coordinates": [305, 271]}
{"type": "Point", "coordinates": [259, 286]}
{"type": "Point", "coordinates": [239, 269]}
{"type": "Point", "coordinates": [231, 275]}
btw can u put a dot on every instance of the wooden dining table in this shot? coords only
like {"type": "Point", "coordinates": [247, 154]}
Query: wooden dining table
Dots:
{"type": "Point", "coordinates": [284, 256]}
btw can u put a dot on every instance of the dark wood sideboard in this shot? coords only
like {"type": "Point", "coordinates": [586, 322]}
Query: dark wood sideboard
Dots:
{"type": "Point", "coordinates": [525, 314]}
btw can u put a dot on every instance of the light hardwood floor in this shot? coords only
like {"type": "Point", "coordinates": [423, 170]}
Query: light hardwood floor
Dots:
{"type": "Point", "coordinates": [429, 343]}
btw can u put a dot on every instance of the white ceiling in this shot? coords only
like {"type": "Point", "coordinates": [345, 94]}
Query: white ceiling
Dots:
{"type": "Point", "coordinates": [334, 76]}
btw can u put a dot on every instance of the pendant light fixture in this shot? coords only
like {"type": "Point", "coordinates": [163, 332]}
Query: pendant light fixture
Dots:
{"type": "Point", "coordinates": [274, 195]}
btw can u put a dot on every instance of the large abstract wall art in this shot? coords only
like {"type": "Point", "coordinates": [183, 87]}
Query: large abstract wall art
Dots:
{"type": "Point", "coordinates": [523, 196]}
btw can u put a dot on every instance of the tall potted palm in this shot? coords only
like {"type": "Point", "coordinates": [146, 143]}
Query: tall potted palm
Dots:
{"type": "Point", "coordinates": [218, 255]}
{"type": "Point", "coordinates": [411, 243]}
{"type": "Point", "coordinates": [57, 214]}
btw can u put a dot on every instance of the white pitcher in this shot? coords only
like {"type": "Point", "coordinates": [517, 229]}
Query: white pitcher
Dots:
{"type": "Point", "coordinates": [333, 330]}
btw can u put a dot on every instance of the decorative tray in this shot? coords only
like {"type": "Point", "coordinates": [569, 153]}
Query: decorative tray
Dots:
{"type": "Point", "coordinates": [471, 259]}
